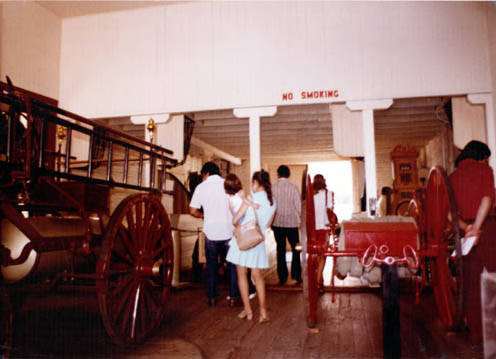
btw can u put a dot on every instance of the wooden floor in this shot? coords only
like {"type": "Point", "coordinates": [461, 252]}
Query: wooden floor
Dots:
{"type": "Point", "coordinates": [67, 326]}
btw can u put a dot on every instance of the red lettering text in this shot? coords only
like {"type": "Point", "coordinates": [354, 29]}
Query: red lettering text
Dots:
{"type": "Point", "coordinates": [314, 94]}
{"type": "Point", "coordinates": [287, 96]}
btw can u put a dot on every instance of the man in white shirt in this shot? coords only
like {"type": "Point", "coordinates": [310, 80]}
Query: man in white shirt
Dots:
{"type": "Point", "coordinates": [285, 225]}
{"type": "Point", "coordinates": [217, 226]}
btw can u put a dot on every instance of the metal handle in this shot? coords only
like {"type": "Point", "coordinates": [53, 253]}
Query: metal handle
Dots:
{"type": "Point", "coordinates": [382, 251]}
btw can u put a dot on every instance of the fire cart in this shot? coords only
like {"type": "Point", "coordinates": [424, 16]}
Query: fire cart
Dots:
{"type": "Point", "coordinates": [81, 204]}
{"type": "Point", "coordinates": [424, 242]}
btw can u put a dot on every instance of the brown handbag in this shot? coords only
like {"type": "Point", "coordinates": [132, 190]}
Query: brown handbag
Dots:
{"type": "Point", "coordinates": [248, 235]}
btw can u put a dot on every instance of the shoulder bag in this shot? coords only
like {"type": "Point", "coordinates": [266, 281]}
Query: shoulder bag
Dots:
{"type": "Point", "coordinates": [248, 235]}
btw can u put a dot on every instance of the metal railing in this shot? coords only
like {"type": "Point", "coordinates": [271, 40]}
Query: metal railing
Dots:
{"type": "Point", "coordinates": [45, 124]}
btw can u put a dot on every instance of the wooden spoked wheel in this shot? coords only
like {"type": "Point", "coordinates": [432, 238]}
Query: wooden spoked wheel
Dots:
{"type": "Point", "coordinates": [5, 323]}
{"type": "Point", "coordinates": [442, 235]}
{"type": "Point", "coordinates": [135, 269]}
{"type": "Point", "coordinates": [310, 285]}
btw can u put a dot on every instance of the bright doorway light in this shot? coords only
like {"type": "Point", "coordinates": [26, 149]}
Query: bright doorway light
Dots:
{"type": "Point", "coordinates": [338, 176]}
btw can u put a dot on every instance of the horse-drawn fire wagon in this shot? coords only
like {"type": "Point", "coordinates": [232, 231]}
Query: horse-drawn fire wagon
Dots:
{"type": "Point", "coordinates": [423, 242]}
{"type": "Point", "coordinates": [81, 204]}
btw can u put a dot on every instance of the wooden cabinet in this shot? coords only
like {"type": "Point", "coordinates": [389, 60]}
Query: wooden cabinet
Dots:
{"type": "Point", "coordinates": [405, 174]}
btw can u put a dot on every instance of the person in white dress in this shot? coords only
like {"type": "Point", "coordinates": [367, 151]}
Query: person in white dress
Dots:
{"type": "Point", "coordinates": [234, 189]}
{"type": "Point", "coordinates": [322, 200]}
{"type": "Point", "coordinates": [256, 257]}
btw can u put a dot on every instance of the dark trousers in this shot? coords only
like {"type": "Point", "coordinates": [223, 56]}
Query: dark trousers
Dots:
{"type": "Point", "coordinates": [481, 256]}
{"type": "Point", "coordinates": [212, 251]}
{"type": "Point", "coordinates": [280, 234]}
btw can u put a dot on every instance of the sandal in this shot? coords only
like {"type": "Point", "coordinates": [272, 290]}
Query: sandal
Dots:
{"type": "Point", "coordinates": [244, 314]}
{"type": "Point", "coordinates": [263, 320]}
{"type": "Point", "coordinates": [263, 317]}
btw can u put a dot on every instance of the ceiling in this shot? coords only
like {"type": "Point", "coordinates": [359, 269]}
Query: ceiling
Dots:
{"type": "Point", "coordinates": [305, 131]}
{"type": "Point", "coordinates": [68, 8]}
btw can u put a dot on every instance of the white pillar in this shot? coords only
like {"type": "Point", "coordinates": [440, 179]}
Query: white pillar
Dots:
{"type": "Point", "coordinates": [254, 114]}
{"type": "Point", "coordinates": [487, 100]}
{"type": "Point", "coordinates": [369, 150]}
{"type": "Point", "coordinates": [255, 144]}
{"type": "Point", "coordinates": [367, 108]}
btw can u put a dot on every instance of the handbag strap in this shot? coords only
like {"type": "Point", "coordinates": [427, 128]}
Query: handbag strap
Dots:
{"type": "Point", "coordinates": [256, 217]}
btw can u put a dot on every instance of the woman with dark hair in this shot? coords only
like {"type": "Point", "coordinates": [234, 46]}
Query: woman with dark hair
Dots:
{"type": "Point", "coordinates": [473, 186]}
{"type": "Point", "coordinates": [322, 200]}
{"type": "Point", "coordinates": [255, 257]}
{"type": "Point", "coordinates": [234, 189]}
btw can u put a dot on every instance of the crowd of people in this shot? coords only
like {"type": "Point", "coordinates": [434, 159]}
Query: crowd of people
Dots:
{"type": "Point", "coordinates": [224, 204]}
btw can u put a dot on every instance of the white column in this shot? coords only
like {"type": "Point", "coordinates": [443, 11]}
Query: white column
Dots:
{"type": "Point", "coordinates": [487, 100]}
{"type": "Point", "coordinates": [369, 150]}
{"type": "Point", "coordinates": [367, 108]}
{"type": "Point", "coordinates": [255, 144]}
{"type": "Point", "coordinates": [254, 114]}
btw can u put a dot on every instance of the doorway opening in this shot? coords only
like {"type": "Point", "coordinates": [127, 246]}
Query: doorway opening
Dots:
{"type": "Point", "coordinates": [338, 176]}
{"type": "Point", "coordinates": [339, 179]}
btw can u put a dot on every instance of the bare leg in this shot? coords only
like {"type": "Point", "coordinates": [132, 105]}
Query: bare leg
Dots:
{"type": "Point", "coordinates": [260, 285]}
{"type": "Point", "coordinates": [320, 269]}
{"type": "Point", "coordinates": [243, 290]}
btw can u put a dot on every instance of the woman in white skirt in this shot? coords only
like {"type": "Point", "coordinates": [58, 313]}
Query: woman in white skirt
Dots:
{"type": "Point", "coordinates": [255, 257]}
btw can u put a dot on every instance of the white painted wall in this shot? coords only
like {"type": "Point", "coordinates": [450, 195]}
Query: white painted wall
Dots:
{"type": "Point", "coordinates": [204, 55]}
{"type": "Point", "coordinates": [469, 121]}
{"type": "Point", "coordinates": [491, 20]}
{"type": "Point", "coordinates": [30, 46]}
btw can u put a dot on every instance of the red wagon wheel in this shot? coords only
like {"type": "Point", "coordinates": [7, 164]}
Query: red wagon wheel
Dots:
{"type": "Point", "coordinates": [135, 269]}
{"type": "Point", "coordinates": [310, 288]}
{"type": "Point", "coordinates": [442, 235]}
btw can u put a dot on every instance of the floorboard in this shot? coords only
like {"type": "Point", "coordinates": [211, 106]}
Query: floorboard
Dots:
{"type": "Point", "coordinates": [62, 326]}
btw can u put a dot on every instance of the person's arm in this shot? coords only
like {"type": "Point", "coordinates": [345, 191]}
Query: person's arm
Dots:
{"type": "Point", "coordinates": [241, 212]}
{"type": "Point", "coordinates": [195, 212]}
{"type": "Point", "coordinates": [247, 199]}
{"type": "Point", "coordinates": [195, 204]}
{"type": "Point", "coordinates": [482, 212]}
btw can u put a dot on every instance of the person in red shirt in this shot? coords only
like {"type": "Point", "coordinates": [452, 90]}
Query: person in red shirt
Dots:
{"type": "Point", "coordinates": [473, 187]}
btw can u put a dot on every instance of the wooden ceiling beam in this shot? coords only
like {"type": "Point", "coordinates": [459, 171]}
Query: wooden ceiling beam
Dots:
{"type": "Point", "coordinates": [416, 102]}
{"type": "Point", "coordinates": [278, 118]}
{"type": "Point", "coordinates": [405, 118]}
{"type": "Point", "coordinates": [408, 128]}
{"type": "Point", "coordinates": [420, 110]}
{"type": "Point", "coordinates": [269, 125]}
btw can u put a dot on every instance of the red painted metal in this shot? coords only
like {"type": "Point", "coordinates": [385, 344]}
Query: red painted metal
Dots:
{"type": "Point", "coordinates": [442, 236]}
{"type": "Point", "coordinates": [427, 245]}
{"type": "Point", "coordinates": [311, 249]}
{"type": "Point", "coordinates": [374, 255]}
{"type": "Point", "coordinates": [396, 235]}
